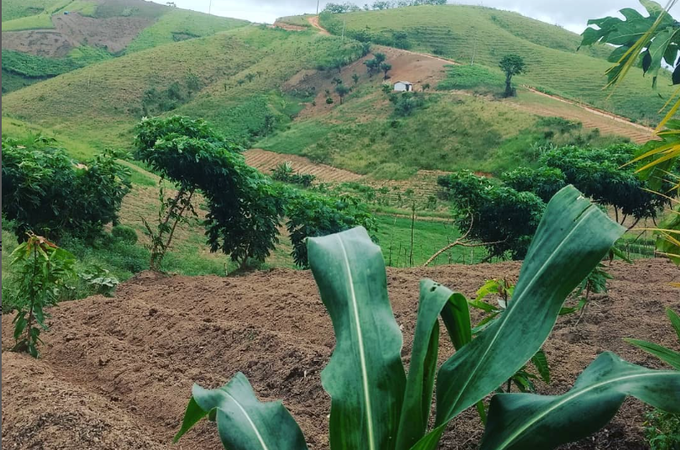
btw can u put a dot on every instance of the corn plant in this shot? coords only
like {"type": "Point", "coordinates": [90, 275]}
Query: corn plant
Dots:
{"type": "Point", "coordinates": [376, 405]}
{"type": "Point", "coordinates": [42, 269]}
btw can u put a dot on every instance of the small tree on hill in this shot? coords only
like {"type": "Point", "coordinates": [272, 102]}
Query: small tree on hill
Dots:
{"type": "Point", "coordinates": [385, 67]}
{"type": "Point", "coordinates": [511, 65]}
{"type": "Point", "coordinates": [341, 90]}
{"type": "Point", "coordinates": [355, 78]}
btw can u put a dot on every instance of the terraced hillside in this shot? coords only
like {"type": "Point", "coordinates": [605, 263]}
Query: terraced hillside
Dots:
{"type": "Point", "coordinates": [45, 38]}
{"type": "Point", "coordinates": [232, 79]}
{"type": "Point", "coordinates": [485, 35]}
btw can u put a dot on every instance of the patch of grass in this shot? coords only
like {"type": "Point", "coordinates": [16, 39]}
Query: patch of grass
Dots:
{"type": "Point", "coordinates": [299, 21]}
{"type": "Point", "coordinates": [36, 22]}
{"type": "Point", "coordinates": [479, 79]}
{"type": "Point", "coordinates": [485, 34]}
{"type": "Point", "coordinates": [180, 24]}
{"type": "Point", "coordinates": [429, 236]}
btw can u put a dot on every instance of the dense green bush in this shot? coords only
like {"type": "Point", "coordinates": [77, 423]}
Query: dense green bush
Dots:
{"type": "Point", "coordinates": [499, 216]}
{"type": "Point", "coordinates": [284, 172]}
{"type": "Point", "coordinates": [45, 191]}
{"type": "Point", "coordinates": [313, 215]}
{"type": "Point", "coordinates": [544, 181]}
{"type": "Point", "coordinates": [244, 207]}
{"type": "Point", "coordinates": [124, 234]}
{"type": "Point", "coordinates": [406, 103]}
{"type": "Point", "coordinates": [605, 176]}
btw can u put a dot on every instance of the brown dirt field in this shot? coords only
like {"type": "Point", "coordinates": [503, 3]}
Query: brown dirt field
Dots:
{"type": "Point", "coordinates": [113, 34]}
{"type": "Point", "coordinates": [117, 372]}
{"type": "Point", "coordinates": [266, 161]}
{"type": "Point", "coordinates": [289, 26]}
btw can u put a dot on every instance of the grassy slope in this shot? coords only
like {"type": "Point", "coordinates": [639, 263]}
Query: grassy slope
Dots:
{"type": "Point", "coordinates": [453, 131]}
{"type": "Point", "coordinates": [553, 63]}
{"type": "Point", "coordinates": [169, 25]}
{"type": "Point", "coordinates": [100, 104]}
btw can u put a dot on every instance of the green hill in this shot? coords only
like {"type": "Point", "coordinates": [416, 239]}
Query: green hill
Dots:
{"type": "Point", "coordinates": [231, 79]}
{"type": "Point", "coordinates": [45, 38]}
{"type": "Point", "coordinates": [485, 35]}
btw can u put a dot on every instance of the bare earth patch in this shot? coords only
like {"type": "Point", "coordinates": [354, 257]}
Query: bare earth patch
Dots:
{"type": "Point", "coordinates": [120, 369]}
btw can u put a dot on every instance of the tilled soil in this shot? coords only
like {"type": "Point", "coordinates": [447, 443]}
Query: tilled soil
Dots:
{"type": "Point", "coordinates": [116, 373]}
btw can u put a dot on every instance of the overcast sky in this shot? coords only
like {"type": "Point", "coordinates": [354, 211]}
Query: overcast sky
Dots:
{"type": "Point", "coordinates": [571, 14]}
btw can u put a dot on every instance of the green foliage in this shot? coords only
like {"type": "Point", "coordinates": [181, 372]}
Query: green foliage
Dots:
{"type": "Point", "coordinates": [544, 181]}
{"type": "Point", "coordinates": [375, 404]}
{"type": "Point", "coordinates": [244, 207]}
{"type": "Point", "coordinates": [313, 215]}
{"type": "Point", "coordinates": [284, 172]}
{"type": "Point", "coordinates": [599, 174]}
{"type": "Point", "coordinates": [511, 65]}
{"type": "Point", "coordinates": [500, 217]}
{"type": "Point", "coordinates": [99, 280]}
{"type": "Point", "coordinates": [45, 191]}
{"type": "Point", "coordinates": [523, 379]}
{"type": "Point", "coordinates": [478, 78]}
{"type": "Point", "coordinates": [662, 430]}
{"type": "Point", "coordinates": [665, 354]}
{"type": "Point", "coordinates": [43, 270]}
{"type": "Point", "coordinates": [406, 103]}
{"type": "Point", "coordinates": [124, 234]}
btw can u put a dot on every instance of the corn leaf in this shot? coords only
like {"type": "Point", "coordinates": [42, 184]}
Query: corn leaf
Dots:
{"type": "Point", "coordinates": [572, 229]}
{"type": "Point", "coordinates": [665, 354]}
{"type": "Point", "coordinates": [675, 321]}
{"type": "Point", "coordinates": [528, 421]}
{"type": "Point", "coordinates": [243, 422]}
{"type": "Point", "coordinates": [365, 376]}
{"type": "Point", "coordinates": [435, 299]}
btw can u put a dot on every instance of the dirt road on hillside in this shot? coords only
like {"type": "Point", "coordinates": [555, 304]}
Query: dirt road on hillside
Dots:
{"type": "Point", "coordinates": [116, 373]}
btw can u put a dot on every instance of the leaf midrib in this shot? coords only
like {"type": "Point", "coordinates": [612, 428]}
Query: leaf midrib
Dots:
{"type": "Point", "coordinates": [362, 355]}
{"type": "Point", "coordinates": [583, 216]}
{"type": "Point", "coordinates": [252, 424]}
{"type": "Point", "coordinates": [569, 398]}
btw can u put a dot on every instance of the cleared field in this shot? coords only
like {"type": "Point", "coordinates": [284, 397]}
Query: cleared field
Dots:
{"type": "Point", "coordinates": [116, 373]}
{"type": "Point", "coordinates": [266, 161]}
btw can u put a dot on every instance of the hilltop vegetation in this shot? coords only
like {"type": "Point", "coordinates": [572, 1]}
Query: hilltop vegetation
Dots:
{"type": "Point", "coordinates": [232, 79]}
{"type": "Point", "coordinates": [485, 35]}
{"type": "Point", "coordinates": [119, 27]}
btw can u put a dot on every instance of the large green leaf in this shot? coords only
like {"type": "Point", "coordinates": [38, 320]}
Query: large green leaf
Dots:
{"type": "Point", "coordinates": [571, 240]}
{"type": "Point", "coordinates": [657, 49]}
{"type": "Point", "coordinates": [365, 376]}
{"type": "Point", "coordinates": [243, 422]}
{"type": "Point", "coordinates": [435, 299]}
{"type": "Point", "coordinates": [528, 421]}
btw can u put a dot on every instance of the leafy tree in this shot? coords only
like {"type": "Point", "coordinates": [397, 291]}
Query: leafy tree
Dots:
{"type": "Point", "coordinates": [313, 215]}
{"type": "Point", "coordinates": [341, 90]}
{"type": "Point", "coordinates": [42, 269]}
{"type": "Point", "coordinates": [45, 191]}
{"type": "Point", "coordinates": [244, 207]}
{"type": "Point", "coordinates": [602, 174]}
{"type": "Point", "coordinates": [499, 216]}
{"type": "Point", "coordinates": [511, 65]}
{"type": "Point", "coordinates": [385, 67]}
{"type": "Point", "coordinates": [339, 8]}
{"type": "Point", "coordinates": [406, 103]}
{"type": "Point", "coordinates": [355, 78]}
{"type": "Point", "coordinates": [381, 5]}
{"type": "Point", "coordinates": [545, 182]}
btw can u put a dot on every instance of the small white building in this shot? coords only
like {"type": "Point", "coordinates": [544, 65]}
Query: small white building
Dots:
{"type": "Point", "coordinates": [403, 86]}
